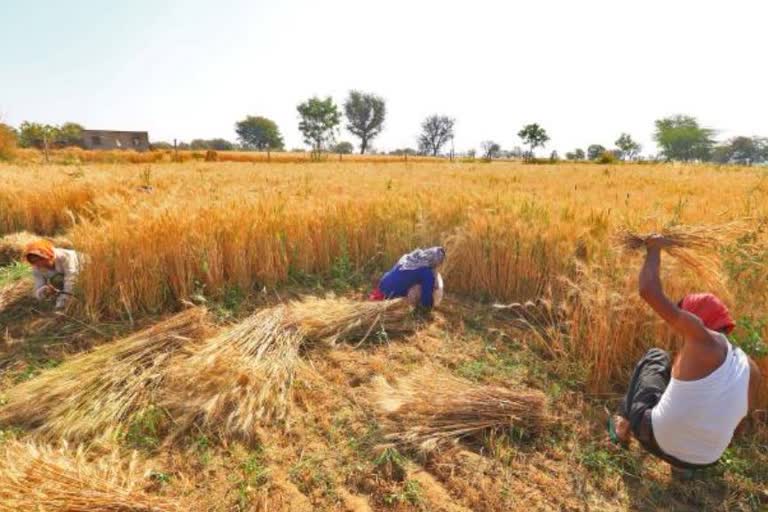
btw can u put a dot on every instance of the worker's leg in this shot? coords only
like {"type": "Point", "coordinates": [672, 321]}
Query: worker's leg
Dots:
{"type": "Point", "coordinates": [437, 296]}
{"type": "Point", "coordinates": [650, 379]}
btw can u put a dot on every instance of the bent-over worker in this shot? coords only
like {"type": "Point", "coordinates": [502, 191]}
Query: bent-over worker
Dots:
{"type": "Point", "coordinates": [50, 263]}
{"type": "Point", "coordinates": [416, 277]}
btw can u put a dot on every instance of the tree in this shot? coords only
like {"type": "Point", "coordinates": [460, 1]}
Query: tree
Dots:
{"type": "Point", "coordinates": [491, 149]}
{"type": "Point", "coordinates": [319, 120]}
{"type": "Point", "coordinates": [260, 133]}
{"type": "Point", "coordinates": [161, 145]}
{"type": "Point", "coordinates": [32, 135]}
{"type": "Point", "coordinates": [742, 151]}
{"type": "Point", "coordinates": [681, 138]}
{"type": "Point", "coordinates": [576, 154]}
{"type": "Point", "coordinates": [365, 116]}
{"type": "Point", "coordinates": [198, 144]}
{"type": "Point", "coordinates": [343, 148]}
{"type": "Point", "coordinates": [629, 148]}
{"type": "Point", "coordinates": [214, 144]}
{"type": "Point", "coordinates": [403, 151]}
{"type": "Point", "coordinates": [436, 130]}
{"type": "Point", "coordinates": [534, 136]}
{"type": "Point", "coordinates": [595, 151]}
{"type": "Point", "coordinates": [69, 134]}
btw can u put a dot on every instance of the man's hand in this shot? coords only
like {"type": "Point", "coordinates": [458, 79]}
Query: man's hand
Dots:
{"type": "Point", "coordinates": [47, 291]}
{"type": "Point", "coordinates": [657, 242]}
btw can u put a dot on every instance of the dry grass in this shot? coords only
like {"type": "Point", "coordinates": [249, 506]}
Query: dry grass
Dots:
{"type": "Point", "coordinates": [243, 378]}
{"type": "Point", "coordinates": [37, 478]}
{"type": "Point", "coordinates": [73, 155]}
{"type": "Point", "coordinates": [431, 409]}
{"type": "Point", "coordinates": [97, 392]}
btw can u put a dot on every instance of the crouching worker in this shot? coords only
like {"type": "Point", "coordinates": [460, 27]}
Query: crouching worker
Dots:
{"type": "Point", "coordinates": [685, 411]}
{"type": "Point", "coordinates": [415, 277]}
{"type": "Point", "coordinates": [55, 271]}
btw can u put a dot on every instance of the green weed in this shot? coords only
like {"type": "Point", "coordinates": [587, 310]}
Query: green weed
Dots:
{"type": "Point", "coordinates": [144, 431]}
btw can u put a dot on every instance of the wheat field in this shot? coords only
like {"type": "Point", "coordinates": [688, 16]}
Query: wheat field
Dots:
{"type": "Point", "coordinates": [241, 235]}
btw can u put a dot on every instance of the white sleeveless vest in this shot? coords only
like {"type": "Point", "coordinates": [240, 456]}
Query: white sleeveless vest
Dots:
{"type": "Point", "coordinates": [694, 421]}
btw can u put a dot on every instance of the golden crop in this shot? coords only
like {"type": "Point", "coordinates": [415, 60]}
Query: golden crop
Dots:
{"type": "Point", "coordinates": [158, 234]}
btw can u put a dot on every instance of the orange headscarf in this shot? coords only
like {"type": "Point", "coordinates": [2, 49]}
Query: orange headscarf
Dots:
{"type": "Point", "coordinates": [41, 248]}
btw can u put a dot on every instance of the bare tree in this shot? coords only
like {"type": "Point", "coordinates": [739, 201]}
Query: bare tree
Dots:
{"type": "Point", "coordinates": [435, 132]}
{"type": "Point", "coordinates": [491, 149]}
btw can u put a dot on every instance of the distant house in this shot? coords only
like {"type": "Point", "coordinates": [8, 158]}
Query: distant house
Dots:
{"type": "Point", "coordinates": [111, 139]}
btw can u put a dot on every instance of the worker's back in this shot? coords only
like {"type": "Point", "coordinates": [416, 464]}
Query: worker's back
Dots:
{"type": "Point", "coordinates": [695, 420]}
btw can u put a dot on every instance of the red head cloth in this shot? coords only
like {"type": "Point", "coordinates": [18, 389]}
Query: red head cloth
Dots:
{"type": "Point", "coordinates": [710, 309]}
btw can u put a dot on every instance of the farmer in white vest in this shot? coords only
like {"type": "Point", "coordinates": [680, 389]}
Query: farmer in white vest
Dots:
{"type": "Point", "coordinates": [687, 410]}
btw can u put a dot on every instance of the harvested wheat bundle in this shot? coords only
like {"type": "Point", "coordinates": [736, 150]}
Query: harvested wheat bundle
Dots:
{"type": "Point", "coordinates": [333, 320]}
{"type": "Point", "coordinates": [430, 409]}
{"type": "Point", "coordinates": [12, 246]}
{"type": "Point", "coordinates": [237, 379]}
{"type": "Point", "coordinates": [243, 377]}
{"type": "Point", "coordinates": [696, 247]}
{"type": "Point", "coordinates": [62, 480]}
{"type": "Point", "coordinates": [14, 291]}
{"type": "Point", "coordinates": [94, 392]}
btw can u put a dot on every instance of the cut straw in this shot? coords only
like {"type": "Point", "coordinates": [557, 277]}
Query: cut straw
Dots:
{"type": "Point", "coordinates": [95, 392]}
{"type": "Point", "coordinates": [430, 409]}
{"type": "Point", "coordinates": [36, 478]}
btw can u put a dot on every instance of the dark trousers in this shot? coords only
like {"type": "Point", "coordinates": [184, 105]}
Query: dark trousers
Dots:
{"type": "Point", "coordinates": [650, 379]}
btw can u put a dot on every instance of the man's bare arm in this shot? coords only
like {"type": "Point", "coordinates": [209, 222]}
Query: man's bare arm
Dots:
{"type": "Point", "coordinates": [687, 325]}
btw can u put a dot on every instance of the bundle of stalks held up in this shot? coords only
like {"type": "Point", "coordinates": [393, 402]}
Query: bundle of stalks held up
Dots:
{"type": "Point", "coordinates": [36, 478]}
{"type": "Point", "coordinates": [696, 247]}
{"type": "Point", "coordinates": [430, 409]}
{"type": "Point", "coordinates": [93, 392]}
{"type": "Point", "coordinates": [243, 377]}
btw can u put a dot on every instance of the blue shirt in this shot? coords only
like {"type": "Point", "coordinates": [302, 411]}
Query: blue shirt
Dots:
{"type": "Point", "coordinates": [397, 282]}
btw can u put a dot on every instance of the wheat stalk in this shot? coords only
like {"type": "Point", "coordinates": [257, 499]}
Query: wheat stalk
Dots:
{"type": "Point", "coordinates": [35, 477]}
{"type": "Point", "coordinates": [430, 409]}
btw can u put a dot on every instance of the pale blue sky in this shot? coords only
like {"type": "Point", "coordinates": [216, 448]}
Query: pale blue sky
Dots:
{"type": "Point", "coordinates": [586, 70]}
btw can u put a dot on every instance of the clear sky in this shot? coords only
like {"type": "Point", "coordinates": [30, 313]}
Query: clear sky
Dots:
{"type": "Point", "coordinates": [586, 70]}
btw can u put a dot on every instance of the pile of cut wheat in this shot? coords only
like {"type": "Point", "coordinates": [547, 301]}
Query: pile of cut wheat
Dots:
{"type": "Point", "coordinates": [430, 409]}
{"type": "Point", "coordinates": [44, 479]}
{"type": "Point", "coordinates": [244, 376]}
{"type": "Point", "coordinates": [94, 392]}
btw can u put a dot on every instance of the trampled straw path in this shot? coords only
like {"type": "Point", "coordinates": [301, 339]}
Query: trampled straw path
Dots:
{"type": "Point", "coordinates": [430, 409]}
{"type": "Point", "coordinates": [95, 392]}
{"type": "Point", "coordinates": [34, 477]}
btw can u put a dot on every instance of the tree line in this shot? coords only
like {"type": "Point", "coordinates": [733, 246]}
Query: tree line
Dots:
{"type": "Point", "coordinates": [679, 137]}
